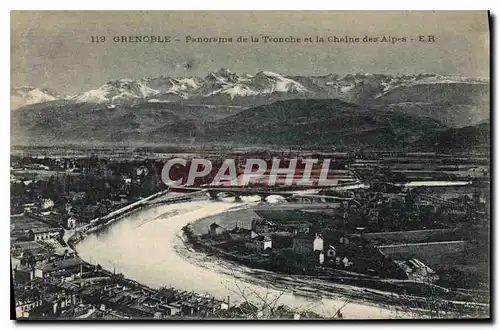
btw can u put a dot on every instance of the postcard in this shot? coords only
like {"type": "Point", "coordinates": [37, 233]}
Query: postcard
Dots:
{"type": "Point", "coordinates": [255, 165]}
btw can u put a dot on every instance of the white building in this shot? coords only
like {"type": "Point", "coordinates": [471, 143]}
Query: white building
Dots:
{"type": "Point", "coordinates": [70, 223]}
{"type": "Point", "coordinates": [307, 243]}
{"type": "Point", "coordinates": [47, 204]}
{"type": "Point", "coordinates": [40, 234]}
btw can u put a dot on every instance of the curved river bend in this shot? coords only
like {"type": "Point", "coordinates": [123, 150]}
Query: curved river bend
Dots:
{"type": "Point", "coordinates": [147, 247]}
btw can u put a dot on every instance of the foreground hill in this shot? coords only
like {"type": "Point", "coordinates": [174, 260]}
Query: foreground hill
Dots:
{"type": "Point", "coordinates": [60, 122]}
{"type": "Point", "coordinates": [454, 103]}
{"type": "Point", "coordinates": [320, 122]}
{"type": "Point", "coordinates": [307, 122]}
{"type": "Point", "coordinates": [465, 138]}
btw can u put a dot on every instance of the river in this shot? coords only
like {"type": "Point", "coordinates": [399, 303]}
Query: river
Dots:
{"type": "Point", "coordinates": [147, 246]}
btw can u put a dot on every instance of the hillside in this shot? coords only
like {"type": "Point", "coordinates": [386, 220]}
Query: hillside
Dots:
{"type": "Point", "coordinates": [454, 101]}
{"type": "Point", "coordinates": [311, 122]}
{"type": "Point", "coordinates": [62, 122]}
{"type": "Point", "coordinates": [26, 95]}
{"type": "Point", "coordinates": [465, 138]}
{"type": "Point", "coordinates": [320, 122]}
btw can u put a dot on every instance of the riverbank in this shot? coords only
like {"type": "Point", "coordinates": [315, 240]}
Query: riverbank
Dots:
{"type": "Point", "coordinates": [383, 291]}
{"type": "Point", "coordinates": [148, 247]}
{"type": "Point", "coordinates": [233, 311]}
{"type": "Point", "coordinates": [101, 222]}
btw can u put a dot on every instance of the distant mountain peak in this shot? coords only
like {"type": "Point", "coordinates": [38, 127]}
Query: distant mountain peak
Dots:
{"type": "Point", "coordinates": [269, 74]}
{"type": "Point", "coordinates": [223, 76]}
{"type": "Point", "coordinates": [26, 95]}
{"type": "Point", "coordinates": [226, 87]}
{"type": "Point", "coordinates": [224, 71]}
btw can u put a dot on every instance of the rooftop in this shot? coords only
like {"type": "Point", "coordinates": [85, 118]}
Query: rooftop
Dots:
{"type": "Point", "coordinates": [262, 238]}
{"type": "Point", "coordinates": [309, 236]}
{"type": "Point", "coordinates": [44, 230]}
{"type": "Point", "coordinates": [58, 265]}
{"type": "Point", "coordinates": [239, 230]}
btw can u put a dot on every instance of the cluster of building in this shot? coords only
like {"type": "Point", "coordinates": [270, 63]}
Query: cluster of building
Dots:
{"type": "Point", "coordinates": [319, 239]}
{"type": "Point", "coordinates": [93, 293]}
{"type": "Point", "coordinates": [84, 188]}
{"type": "Point", "coordinates": [51, 281]}
{"type": "Point", "coordinates": [49, 285]}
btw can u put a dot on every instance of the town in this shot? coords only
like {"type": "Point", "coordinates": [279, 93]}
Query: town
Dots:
{"type": "Point", "coordinates": [387, 238]}
{"type": "Point", "coordinates": [376, 229]}
{"type": "Point", "coordinates": [53, 200]}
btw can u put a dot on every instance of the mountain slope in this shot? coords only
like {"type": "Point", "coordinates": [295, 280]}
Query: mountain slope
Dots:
{"type": "Point", "coordinates": [320, 122]}
{"type": "Point", "coordinates": [454, 101]}
{"type": "Point", "coordinates": [456, 104]}
{"type": "Point", "coordinates": [442, 93]}
{"type": "Point", "coordinates": [465, 138]}
{"type": "Point", "coordinates": [317, 122]}
{"type": "Point", "coordinates": [77, 122]}
{"type": "Point", "coordinates": [27, 95]}
{"type": "Point", "coordinates": [118, 91]}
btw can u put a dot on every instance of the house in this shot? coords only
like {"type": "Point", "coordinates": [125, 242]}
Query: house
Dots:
{"type": "Point", "coordinates": [47, 204]}
{"type": "Point", "coordinates": [297, 227]}
{"type": "Point", "coordinates": [321, 257]}
{"type": "Point", "coordinates": [72, 265]}
{"type": "Point", "coordinates": [283, 221]}
{"type": "Point", "coordinates": [170, 310]}
{"type": "Point", "coordinates": [259, 243]}
{"type": "Point", "coordinates": [151, 302]}
{"type": "Point", "coordinates": [24, 249]}
{"type": "Point", "coordinates": [262, 226]}
{"type": "Point", "coordinates": [69, 223]}
{"type": "Point", "coordinates": [244, 309]}
{"type": "Point", "coordinates": [165, 295]}
{"type": "Point", "coordinates": [16, 259]}
{"type": "Point", "coordinates": [215, 230]}
{"type": "Point", "coordinates": [23, 274]}
{"type": "Point", "coordinates": [44, 233]}
{"type": "Point", "coordinates": [252, 234]}
{"type": "Point", "coordinates": [30, 207]}
{"type": "Point", "coordinates": [238, 233]}
{"type": "Point", "coordinates": [60, 301]}
{"type": "Point", "coordinates": [26, 300]}
{"type": "Point", "coordinates": [91, 211]}
{"type": "Point", "coordinates": [307, 243]}
{"type": "Point", "coordinates": [224, 305]}
{"type": "Point", "coordinates": [207, 306]}
{"type": "Point", "coordinates": [21, 259]}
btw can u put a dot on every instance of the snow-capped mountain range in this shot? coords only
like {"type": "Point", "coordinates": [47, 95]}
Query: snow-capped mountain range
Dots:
{"type": "Point", "coordinates": [26, 95]}
{"type": "Point", "coordinates": [356, 109]}
{"type": "Point", "coordinates": [226, 87]}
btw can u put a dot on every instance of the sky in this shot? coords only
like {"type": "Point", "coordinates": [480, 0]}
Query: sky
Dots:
{"type": "Point", "coordinates": [53, 49]}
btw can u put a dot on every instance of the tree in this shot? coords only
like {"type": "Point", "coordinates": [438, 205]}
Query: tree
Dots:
{"type": "Point", "coordinates": [267, 305]}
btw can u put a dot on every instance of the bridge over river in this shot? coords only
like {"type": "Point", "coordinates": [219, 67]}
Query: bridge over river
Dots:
{"type": "Point", "coordinates": [262, 193]}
